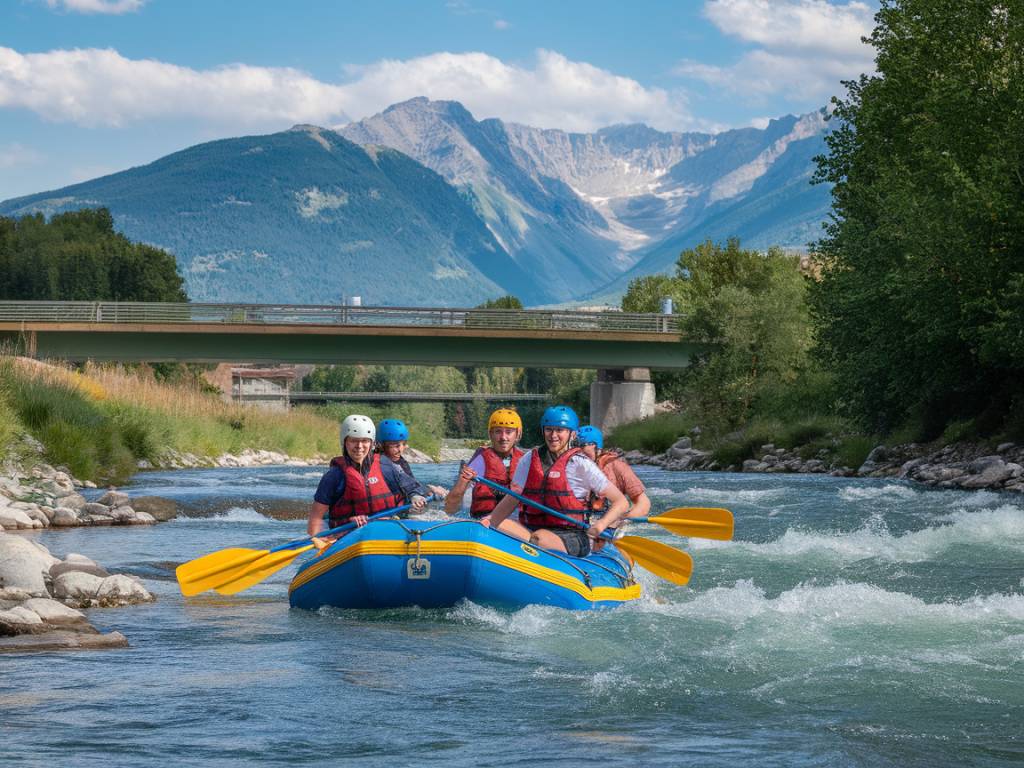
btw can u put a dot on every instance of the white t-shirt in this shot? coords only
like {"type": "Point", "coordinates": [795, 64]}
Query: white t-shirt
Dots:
{"type": "Point", "coordinates": [478, 466]}
{"type": "Point", "coordinates": [584, 475]}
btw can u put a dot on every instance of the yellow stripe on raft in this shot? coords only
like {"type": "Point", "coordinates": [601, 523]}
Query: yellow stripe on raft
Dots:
{"type": "Point", "coordinates": [466, 549]}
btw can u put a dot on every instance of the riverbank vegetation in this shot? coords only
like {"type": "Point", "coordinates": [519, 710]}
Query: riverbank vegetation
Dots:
{"type": "Point", "coordinates": [101, 421]}
{"type": "Point", "coordinates": [905, 324]}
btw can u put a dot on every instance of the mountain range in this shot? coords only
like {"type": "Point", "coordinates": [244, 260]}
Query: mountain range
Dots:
{"type": "Point", "coordinates": [423, 204]}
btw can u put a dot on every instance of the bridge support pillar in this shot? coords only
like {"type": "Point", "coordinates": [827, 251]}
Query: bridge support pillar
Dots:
{"type": "Point", "coordinates": [619, 396]}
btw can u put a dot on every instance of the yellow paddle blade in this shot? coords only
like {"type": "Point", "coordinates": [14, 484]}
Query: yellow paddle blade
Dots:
{"type": "Point", "coordinates": [660, 559]}
{"type": "Point", "coordinates": [193, 568]}
{"type": "Point", "coordinates": [258, 571]}
{"type": "Point", "coordinates": [206, 572]}
{"type": "Point", "coordinates": [698, 522]}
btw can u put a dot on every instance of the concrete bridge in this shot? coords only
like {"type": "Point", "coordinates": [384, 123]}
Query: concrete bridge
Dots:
{"type": "Point", "coordinates": [622, 346]}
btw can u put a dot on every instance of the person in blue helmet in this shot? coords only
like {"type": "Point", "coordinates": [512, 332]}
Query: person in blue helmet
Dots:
{"type": "Point", "coordinates": [392, 440]}
{"type": "Point", "coordinates": [561, 478]}
{"type": "Point", "coordinates": [615, 468]}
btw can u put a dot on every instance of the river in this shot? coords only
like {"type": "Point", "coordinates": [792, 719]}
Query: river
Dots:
{"type": "Point", "coordinates": [852, 623]}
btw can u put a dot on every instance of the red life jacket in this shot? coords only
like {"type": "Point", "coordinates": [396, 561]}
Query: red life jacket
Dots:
{"type": "Point", "coordinates": [599, 503]}
{"type": "Point", "coordinates": [485, 498]}
{"type": "Point", "coordinates": [364, 494]}
{"type": "Point", "coordinates": [550, 487]}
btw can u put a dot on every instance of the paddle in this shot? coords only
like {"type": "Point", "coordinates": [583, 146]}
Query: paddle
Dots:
{"type": "Point", "coordinates": [695, 522]}
{"type": "Point", "coordinates": [228, 568]}
{"type": "Point", "coordinates": [660, 559]}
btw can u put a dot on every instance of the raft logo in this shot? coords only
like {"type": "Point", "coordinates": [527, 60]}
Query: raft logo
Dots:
{"type": "Point", "coordinates": [529, 550]}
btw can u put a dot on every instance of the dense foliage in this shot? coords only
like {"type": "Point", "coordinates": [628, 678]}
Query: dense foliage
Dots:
{"type": "Point", "coordinates": [749, 309]}
{"type": "Point", "coordinates": [78, 256]}
{"type": "Point", "coordinates": [920, 306]}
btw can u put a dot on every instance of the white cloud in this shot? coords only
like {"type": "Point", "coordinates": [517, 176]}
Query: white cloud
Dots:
{"type": "Point", "coordinates": [803, 47]}
{"type": "Point", "coordinates": [12, 155]}
{"type": "Point", "coordinates": [501, 24]}
{"type": "Point", "coordinates": [551, 92]}
{"type": "Point", "coordinates": [113, 7]}
{"type": "Point", "coordinates": [101, 87]}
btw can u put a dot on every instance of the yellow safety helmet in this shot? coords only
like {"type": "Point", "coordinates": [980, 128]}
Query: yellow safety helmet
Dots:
{"type": "Point", "coordinates": [505, 417]}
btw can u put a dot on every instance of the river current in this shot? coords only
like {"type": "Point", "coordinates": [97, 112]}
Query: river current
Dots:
{"type": "Point", "coordinates": [851, 623]}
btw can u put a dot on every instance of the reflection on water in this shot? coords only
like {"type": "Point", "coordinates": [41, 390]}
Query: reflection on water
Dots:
{"type": "Point", "coordinates": [852, 622]}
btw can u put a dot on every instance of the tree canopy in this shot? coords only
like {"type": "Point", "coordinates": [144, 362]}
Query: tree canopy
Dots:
{"type": "Point", "coordinates": [78, 256]}
{"type": "Point", "coordinates": [920, 306]}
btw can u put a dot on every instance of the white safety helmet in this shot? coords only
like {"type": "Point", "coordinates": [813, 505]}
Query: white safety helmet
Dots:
{"type": "Point", "coordinates": [357, 426]}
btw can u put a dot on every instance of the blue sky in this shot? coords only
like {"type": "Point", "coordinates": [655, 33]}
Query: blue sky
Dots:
{"type": "Point", "coordinates": [89, 87]}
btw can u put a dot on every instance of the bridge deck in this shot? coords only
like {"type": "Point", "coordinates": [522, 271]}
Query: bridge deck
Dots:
{"type": "Point", "coordinates": [333, 334]}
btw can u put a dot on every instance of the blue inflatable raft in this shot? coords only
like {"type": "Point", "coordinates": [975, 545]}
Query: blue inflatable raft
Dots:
{"type": "Point", "coordinates": [433, 564]}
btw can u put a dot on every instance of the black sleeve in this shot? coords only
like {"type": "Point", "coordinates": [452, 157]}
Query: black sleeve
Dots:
{"type": "Point", "coordinates": [331, 486]}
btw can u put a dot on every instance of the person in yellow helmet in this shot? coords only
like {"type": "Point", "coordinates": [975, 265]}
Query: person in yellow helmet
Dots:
{"type": "Point", "coordinates": [497, 462]}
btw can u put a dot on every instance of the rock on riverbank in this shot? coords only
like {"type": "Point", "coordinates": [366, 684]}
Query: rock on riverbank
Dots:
{"type": "Point", "coordinates": [171, 459]}
{"type": "Point", "coordinates": [40, 596]}
{"type": "Point", "coordinates": [962, 465]}
{"type": "Point", "coordinates": [42, 497]}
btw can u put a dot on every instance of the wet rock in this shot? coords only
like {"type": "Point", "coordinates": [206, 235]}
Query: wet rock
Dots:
{"type": "Point", "coordinates": [1005, 447]}
{"type": "Point", "coordinates": [95, 508]}
{"type": "Point", "coordinates": [84, 590]}
{"type": "Point", "coordinates": [19, 620]}
{"type": "Point", "coordinates": [70, 567]}
{"type": "Point", "coordinates": [753, 465]}
{"type": "Point", "coordinates": [63, 641]}
{"type": "Point", "coordinates": [114, 499]}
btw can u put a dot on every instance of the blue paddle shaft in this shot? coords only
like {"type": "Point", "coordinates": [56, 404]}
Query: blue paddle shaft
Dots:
{"type": "Point", "coordinates": [537, 504]}
{"type": "Point", "coordinates": [339, 529]}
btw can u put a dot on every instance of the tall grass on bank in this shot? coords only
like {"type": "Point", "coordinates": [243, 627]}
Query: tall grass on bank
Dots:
{"type": "Point", "coordinates": [100, 421]}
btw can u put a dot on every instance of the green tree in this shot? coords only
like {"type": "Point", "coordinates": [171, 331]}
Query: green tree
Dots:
{"type": "Point", "coordinates": [502, 302]}
{"type": "Point", "coordinates": [77, 256]}
{"type": "Point", "coordinates": [922, 282]}
{"type": "Point", "coordinates": [644, 294]}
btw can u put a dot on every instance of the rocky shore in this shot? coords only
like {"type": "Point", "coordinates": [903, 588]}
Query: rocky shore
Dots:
{"type": "Point", "coordinates": [965, 466]}
{"type": "Point", "coordinates": [40, 596]}
{"type": "Point", "coordinates": [43, 496]}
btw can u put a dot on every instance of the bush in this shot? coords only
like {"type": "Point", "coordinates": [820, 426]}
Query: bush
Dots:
{"type": "Point", "coordinates": [854, 449]}
{"type": "Point", "coordinates": [656, 434]}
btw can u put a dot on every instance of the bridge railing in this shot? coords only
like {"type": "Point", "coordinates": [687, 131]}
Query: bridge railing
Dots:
{"type": "Point", "coordinates": [287, 314]}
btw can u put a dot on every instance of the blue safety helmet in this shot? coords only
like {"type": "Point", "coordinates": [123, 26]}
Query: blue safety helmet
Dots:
{"type": "Point", "coordinates": [560, 416]}
{"type": "Point", "coordinates": [590, 436]}
{"type": "Point", "coordinates": [392, 430]}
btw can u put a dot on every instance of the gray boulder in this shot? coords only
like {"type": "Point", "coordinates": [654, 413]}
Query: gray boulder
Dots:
{"type": "Point", "coordinates": [114, 499]}
{"type": "Point", "coordinates": [95, 508]}
{"type": "Point", "coordinates": [64, 517]}
{"type": "Point", "coordinates": [23, 569]}
{"type": "Point", "coordinates": [72, 501]}
{"type": "Point", "coordinates": [52, 612]}
{"type": "Point", "coordinates": [986, 472]}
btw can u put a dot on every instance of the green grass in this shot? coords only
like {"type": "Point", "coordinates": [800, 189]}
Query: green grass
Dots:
{"type": "Point", "coordinates": [655, 434]}
{"type": "Point", "coordinates": [100, 423]}
{"type": "Point", "coordinates": [853, 449]}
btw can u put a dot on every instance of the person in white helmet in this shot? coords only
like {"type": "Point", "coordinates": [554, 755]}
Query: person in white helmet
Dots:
{"type": "Point", "coordinates": [360, 483]}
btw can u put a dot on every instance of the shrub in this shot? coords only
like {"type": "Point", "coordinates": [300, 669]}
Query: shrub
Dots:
{"type": "Point", "coordinates": [655, 434]}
